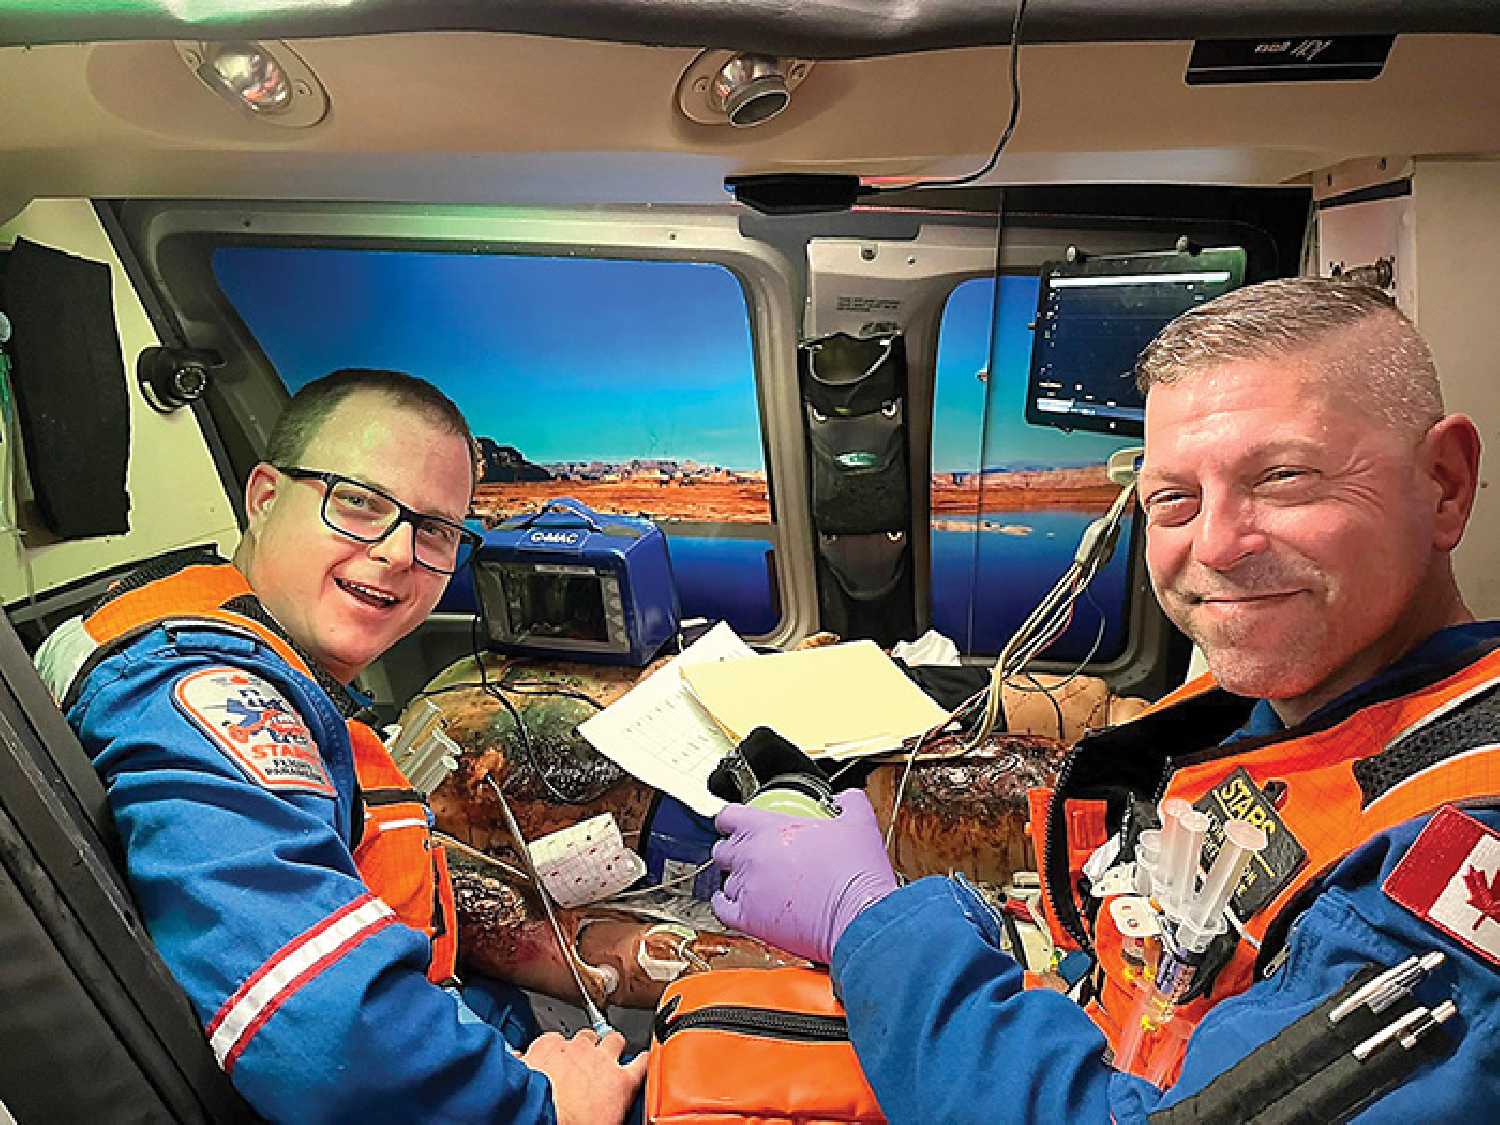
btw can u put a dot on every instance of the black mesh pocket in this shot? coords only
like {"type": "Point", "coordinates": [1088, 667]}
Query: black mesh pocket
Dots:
{"type": "Point", "coordinates": [844, 375]}
{"type": "Point", "coordinates": [864, 586]}
{"type": "Point", "coordinates": [853, 388]}
{"type": "Point", "coordinates": [1477, 723]}
{"type": "Point", "coordinates": [859, 471]}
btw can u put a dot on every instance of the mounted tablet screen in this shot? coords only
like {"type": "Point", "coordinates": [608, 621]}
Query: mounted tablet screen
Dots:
{"type": "Point", "coordinates": [1095, 316]}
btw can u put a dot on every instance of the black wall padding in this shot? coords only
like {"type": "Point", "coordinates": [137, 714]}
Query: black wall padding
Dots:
{"type": "Point", "coordinates": [865, 587]}
{"type": "Point", "coordinates": [848, 375]}
{"type": "Point", "coordinates": [71, 398]}
{"type": "Point", "coordinates": [93, 1027]}
{"type": "Point", "coordinates": [866, 567]}
{"type": "Point", "coordinates": [859, 471]}
{"type": "Point", "coordinates": [853, 390]}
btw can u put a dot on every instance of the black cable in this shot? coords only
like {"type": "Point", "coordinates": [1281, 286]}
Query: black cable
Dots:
{"type": "Point", "coordinates": [527, 749]}
{"type": "Point", "coordinates": [544, 687]}
{"type": "Point", "coordinates": [1010, 125]}
{"type": "Point", "coordinates": [1062, 726]}
{"type": "Point", "coordinates": [1013, 935]}
{"type": "Point", "coordinates": [1098, 636]}
{"type": "Point", "coordinates": [541, 687]}
{"type": "Point", "coordinates": [527, 688]}
{"type": "Point", "coordinates": [462, 686]}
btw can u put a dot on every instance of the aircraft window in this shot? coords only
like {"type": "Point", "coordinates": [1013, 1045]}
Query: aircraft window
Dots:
{"type": "Point", "coordinates": [1009, 499]}
{"type": "Point", "coordinates": [627, 384]}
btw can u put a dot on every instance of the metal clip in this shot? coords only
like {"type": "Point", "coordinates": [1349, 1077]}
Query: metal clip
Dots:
{"type": "Point", "coordinates": [1380, 992]}
{"type": "Point", "coordinates": [1407, 1030]}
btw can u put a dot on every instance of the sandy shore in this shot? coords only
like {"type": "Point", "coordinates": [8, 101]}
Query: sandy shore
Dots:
{"type": "Point", "coordinates": [747, 502]}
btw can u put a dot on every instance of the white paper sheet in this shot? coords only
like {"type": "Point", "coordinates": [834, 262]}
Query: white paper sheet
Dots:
{"type": "Point", "coordinates": [585, 862]}
{"type": "Point", "coordinates": [659, 733]}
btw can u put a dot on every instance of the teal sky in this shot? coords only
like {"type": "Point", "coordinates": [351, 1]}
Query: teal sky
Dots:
{"type": "Point", "coordinates": [564, 358]}
{"type": "Point", "coordinates": [583, 358]}
{"type": "Point", "coordinates": [958, 409]}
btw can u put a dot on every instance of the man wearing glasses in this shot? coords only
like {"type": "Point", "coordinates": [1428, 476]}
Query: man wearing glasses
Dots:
{"type": "Point", "coordinates": [282, 863]}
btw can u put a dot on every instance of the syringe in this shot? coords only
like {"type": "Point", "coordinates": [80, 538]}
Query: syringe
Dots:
{"type": "Point", "coordinates": [1182, 832]}
{"type": "Point", "coordinates": [1147, 861]}
{"type": "Point", "coordinates": [1202, 917]}
{"type": "Point", "coordinates": [1199, 918]}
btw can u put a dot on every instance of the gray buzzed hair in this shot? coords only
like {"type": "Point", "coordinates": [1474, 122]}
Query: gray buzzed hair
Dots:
{"type": "Point", "coordinates": [1353, 333]}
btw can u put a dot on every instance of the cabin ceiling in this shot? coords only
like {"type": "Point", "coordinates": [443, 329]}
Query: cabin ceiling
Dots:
{"type": "Point", "coordinates": [820, 29]}
{"type": "Point", "coordinates": [454, 116]}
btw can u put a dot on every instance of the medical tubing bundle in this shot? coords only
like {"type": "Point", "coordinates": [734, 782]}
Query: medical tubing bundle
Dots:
{"type": "Point", "coordinates": [1049, 620]}
{"type": "Point", "coordinates": [1041, 628]}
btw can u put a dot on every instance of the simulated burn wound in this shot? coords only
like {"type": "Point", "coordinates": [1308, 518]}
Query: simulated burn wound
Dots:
{"type": "Point", "coordinates": [1237, 797]}
{"type": "Point", "coordinates": [256, 728]}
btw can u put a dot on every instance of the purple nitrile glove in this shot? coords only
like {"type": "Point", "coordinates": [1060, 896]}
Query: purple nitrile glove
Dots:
{"type": "Point", "coordinates": [797, 882]}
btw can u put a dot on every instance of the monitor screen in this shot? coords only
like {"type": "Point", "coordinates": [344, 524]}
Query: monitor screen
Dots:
{"type": "Point", "coordinates": [1095, 316]}
{"type": "Point", "coordinates": [544, 603]}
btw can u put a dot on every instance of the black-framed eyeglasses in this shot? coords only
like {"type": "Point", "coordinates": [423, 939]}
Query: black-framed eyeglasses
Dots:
{"type": "Point", "coordinates": [365, 513]}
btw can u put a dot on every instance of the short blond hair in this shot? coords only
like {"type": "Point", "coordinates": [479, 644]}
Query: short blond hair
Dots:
{"type": "Point", "coordinates": [1354, 333]}
{"type": "Point", "coordinates": [304, 415]}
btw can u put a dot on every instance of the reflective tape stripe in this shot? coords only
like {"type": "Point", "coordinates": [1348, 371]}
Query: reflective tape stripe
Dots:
{"type": "Point", "coordinates": [407, 822]}
{"type": "Point", "coordinates": [292, 966]}
{"type": "Point", "coordinates": [63, 655]}
{"type": "Point", "coordinates": [375, 827]}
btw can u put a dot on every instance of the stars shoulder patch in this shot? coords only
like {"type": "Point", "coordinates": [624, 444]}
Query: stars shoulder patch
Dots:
{"type": "Point", "coordinates": [1450, 878]}
{"type": "Point", "coordinates": [254, 725]}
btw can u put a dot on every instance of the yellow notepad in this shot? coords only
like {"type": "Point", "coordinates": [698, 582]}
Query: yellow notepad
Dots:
{"type": "Point", "coordinates": [839, 701]}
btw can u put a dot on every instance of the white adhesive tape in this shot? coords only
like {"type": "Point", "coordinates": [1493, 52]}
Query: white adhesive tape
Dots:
{"type": "Point", "coordinates": [1134, 917]}
{"type": "Point", "coordinates": [1117, 880]}
{"type": "Point", "coordinates": [662, 968]}
{"type": "Point", "coordinates": [586, 862]}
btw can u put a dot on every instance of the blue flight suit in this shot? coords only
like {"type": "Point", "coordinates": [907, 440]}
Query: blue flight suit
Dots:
{"type": "Point", "coordinates": [315, 1000]}
{"type": "Point", "coordinates": [946, 1033]}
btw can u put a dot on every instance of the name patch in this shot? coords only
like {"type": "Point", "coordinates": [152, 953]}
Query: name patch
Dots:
{"type": "Point", "coordinates": [248, 719]}
{"type": "Point", "coordinates": [1237, 797]}
{"type": "Point", "coordinates": [1450, 878]}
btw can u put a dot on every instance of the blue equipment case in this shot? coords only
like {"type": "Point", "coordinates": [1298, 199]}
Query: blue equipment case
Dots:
{"type": "Point", "coordinates": [568, 583]}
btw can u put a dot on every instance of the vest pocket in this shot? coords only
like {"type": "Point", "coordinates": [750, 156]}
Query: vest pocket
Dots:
{"type": "Point", "coordinates": [395, 861]}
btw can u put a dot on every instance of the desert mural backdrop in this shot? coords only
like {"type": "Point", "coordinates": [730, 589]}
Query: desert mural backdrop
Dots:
{"type": "Point", "coordinates": [631, 386]}
{"type": "Point", "coordinates": [692, 492]}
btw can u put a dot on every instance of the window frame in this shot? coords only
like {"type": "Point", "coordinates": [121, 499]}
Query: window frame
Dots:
{"type": "Point", "coordinates": [177, 241]}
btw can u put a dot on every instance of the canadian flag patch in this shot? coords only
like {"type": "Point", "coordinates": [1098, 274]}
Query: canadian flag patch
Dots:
{"type": "Point", "coordinates": [261, 733]}
{"type": "Point", "coordinates": [1450, 877]}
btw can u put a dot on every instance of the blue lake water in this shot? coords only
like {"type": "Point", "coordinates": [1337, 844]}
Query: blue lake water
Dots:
{"type": "Point", "coordinates": [1014, 572]}
{"type": "Point", "coordinates": [730, 579]}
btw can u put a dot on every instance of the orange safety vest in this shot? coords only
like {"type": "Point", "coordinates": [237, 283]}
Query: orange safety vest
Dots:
{"type": "Point", "coordinates": [394, 851]}
{"type": "Point", "coordinates": [1340, 786]}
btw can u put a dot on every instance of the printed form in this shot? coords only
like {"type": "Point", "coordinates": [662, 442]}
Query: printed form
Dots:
{"type": "Point", "coordinates": [660, 734]}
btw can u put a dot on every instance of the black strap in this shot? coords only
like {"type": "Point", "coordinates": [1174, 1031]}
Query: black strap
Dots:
{"type": "Point", "coordinates": [377, 797]}
{"type": "Point", "coordinates": [1307, 1073]}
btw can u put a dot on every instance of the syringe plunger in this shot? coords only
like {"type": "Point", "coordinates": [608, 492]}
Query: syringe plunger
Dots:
{"type": "Point", "coordinates": [1147, 860]}
{"type": "Point", "coordinates": [1194, 826]}
{"type": "Point", "coordinates": [1173, 844]}
{"type": "Point", "coordinates": [1242, 840]}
